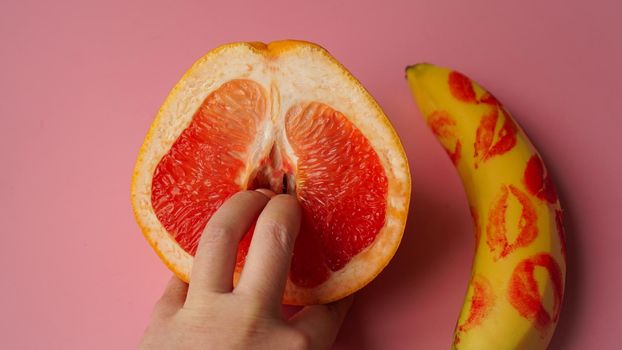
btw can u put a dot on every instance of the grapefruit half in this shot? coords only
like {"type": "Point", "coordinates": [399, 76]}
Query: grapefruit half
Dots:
{"type": "Point", "coordinates": [289, 117]}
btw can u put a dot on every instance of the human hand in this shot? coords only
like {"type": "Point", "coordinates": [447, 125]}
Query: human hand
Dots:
{"type": "Point", "coordinates": [211, 314]}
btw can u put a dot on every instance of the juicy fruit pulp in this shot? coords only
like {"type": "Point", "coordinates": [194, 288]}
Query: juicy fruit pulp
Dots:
{"type": "Point", "coordinates": [338, 177]}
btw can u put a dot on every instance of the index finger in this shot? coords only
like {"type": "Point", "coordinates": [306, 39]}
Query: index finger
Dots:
{"type": "Point", "coordinates": [214, 262]}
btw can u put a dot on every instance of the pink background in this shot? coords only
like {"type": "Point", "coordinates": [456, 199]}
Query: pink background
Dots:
{"type": "Point", "coordinates": [80, 85]}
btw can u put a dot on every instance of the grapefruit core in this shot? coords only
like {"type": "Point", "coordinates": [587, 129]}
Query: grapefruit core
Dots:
{"type": "Point", "coordinates": [285, 116]}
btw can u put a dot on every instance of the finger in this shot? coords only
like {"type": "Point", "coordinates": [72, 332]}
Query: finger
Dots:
{"type": "Point", "coordinates": [321, 323]}
{"type": "Point", "coordinates": [269, 255]}
{"type": "Point", "coordinates": [214, 262]}
{"type": "Point", "coordinates": [173, 297]}
{"type": "Point", "coordinates": [268, 193]}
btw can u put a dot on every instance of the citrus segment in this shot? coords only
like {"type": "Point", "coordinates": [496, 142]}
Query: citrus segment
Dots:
{"type": "Point", "coordinates": [341, 186]}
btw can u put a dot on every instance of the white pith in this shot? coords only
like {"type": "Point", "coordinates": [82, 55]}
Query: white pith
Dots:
{"type": "Point", "coordinates": [303, 74]}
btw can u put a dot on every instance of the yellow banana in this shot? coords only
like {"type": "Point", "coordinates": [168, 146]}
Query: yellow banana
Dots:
{"type": "Point", "coordinates": [519, 268]}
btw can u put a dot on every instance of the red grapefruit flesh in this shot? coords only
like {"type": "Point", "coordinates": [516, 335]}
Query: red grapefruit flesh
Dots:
{"type": "Point", "coordinates": [342, 188]}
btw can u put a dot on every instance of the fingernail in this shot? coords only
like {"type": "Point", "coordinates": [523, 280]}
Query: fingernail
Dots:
{"type": "Point", "coordinates": [266, 192]}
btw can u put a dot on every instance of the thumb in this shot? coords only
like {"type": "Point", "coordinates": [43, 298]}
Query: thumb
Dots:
{"type": "Point", "coordinates": [321, 323]}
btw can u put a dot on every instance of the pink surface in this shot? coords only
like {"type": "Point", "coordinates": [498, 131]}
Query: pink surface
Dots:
{"type": "Point", "coordinates": [80, 86]}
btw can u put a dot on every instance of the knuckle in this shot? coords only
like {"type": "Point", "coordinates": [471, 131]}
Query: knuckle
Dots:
{"type": "Point", "coordinates": [299, 340]}
{"type": "Point", "coordinates": [253, 326]}
{"type": "Point", "coordinates": [216, 235]}
{"type": "Point", "coordinates": [280, 237]}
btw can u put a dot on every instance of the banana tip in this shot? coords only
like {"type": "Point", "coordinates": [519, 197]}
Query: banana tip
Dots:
{"type": "Point", "coordinates": [414, 67]}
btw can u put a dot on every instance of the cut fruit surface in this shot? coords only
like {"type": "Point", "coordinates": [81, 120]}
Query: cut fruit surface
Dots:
{"type": "Point", "coordinates": [288, 117]}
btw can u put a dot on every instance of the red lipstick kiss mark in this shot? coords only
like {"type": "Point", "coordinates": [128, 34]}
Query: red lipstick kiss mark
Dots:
{"type": "Point", "coordinates": [559, 222]}
{"type": "Point", "coordinates": [538, 181]}
{"type": "Point", "coordinates": [496, 230]}
{"type": "Point", "coordinates": [489, 99]}
{"type": "Point", "coordinates": [444, 127]}
{"type": "Point", "coordinates": [489, 143]}
{"type": "Point", "coordinates": [523, 291]}
{"type": "Point", "coordinates": [482, 301]}
{"type": "Point", "coordinates": [461, 87]}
